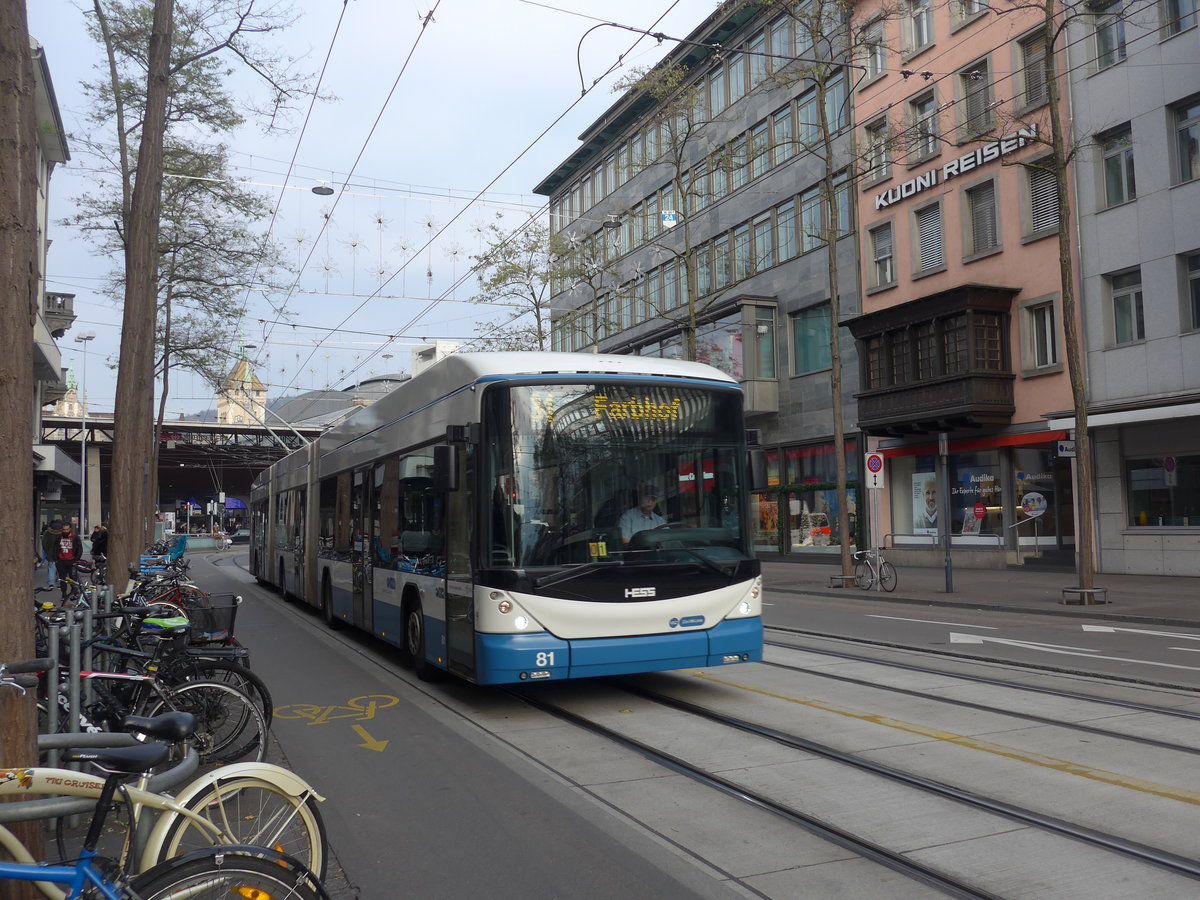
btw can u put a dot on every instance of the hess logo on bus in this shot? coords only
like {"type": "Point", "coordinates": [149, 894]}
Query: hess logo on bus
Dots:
{"type": "Point", "coordinates": [639, 592]}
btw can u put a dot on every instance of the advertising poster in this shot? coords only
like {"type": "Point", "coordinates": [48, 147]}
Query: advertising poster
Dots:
{"type": "Point", "coordinates": [924, 503]}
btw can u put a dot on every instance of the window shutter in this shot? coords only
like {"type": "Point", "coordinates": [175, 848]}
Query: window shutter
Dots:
{"type": "Point", "coordinates": [882, 237]}
{"type": "Point", "coordinates": [1043, 200]}
{"type": "Point", "coordinates": [983, 217]}
{"type": "Point", "coordinates": [929, 235]}
{"type": "Point", "coordinates": [1034, 68]}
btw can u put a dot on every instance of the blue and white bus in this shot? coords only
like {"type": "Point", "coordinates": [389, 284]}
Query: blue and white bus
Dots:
{"type": "Point", "coordinates": [484, 517]}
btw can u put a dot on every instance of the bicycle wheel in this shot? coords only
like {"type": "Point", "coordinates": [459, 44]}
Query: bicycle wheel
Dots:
{"type": "Point", "coordinates": [226, 672]}
{"type": "Point", "coordinates": [887, 576]}
{"type": "Point", "coordinates": [252, 810]}
{"type": "Point", "coordinates": [229, 726]}
{"type": "Point", "coordinates": [221, 873]}
{"type": "Point", "coordinates": [863, 577]}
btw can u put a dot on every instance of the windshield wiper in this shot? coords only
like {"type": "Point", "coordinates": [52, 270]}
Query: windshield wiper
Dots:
{"type": "Point", "coordinates": [708, 562]}
{"type": "Point", "coordinates": [568, 574]}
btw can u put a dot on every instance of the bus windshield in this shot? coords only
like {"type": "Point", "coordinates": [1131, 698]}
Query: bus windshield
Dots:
{"type": "Point", "coordinates": [612, 474]}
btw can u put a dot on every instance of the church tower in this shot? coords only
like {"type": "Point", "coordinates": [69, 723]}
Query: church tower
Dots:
{"type": "Point", "coordinates": [242, 398]}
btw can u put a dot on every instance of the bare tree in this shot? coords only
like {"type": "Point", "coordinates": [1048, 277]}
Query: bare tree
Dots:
{"type": "Point", "coordinates": [19, 274]}
{"type": "Point", "coordinates": [177, 53]}
{"type": "Point", "coordinates": [514, 272]}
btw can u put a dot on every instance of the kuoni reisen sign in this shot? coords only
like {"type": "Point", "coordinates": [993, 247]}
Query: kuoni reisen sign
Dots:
{"type": "Point", "coordinates": [962, 165]}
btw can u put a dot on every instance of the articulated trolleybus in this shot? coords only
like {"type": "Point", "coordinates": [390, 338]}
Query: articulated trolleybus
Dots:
{"type": "Point", "coordinates": [518, 517]}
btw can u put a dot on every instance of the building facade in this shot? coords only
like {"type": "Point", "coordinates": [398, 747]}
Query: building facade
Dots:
{"type": "Point", "coordinates": [695, 220]}
{"type": "Point", "coordinates": [52, 467]}
{"type": "Point", "coordinates": [1135, 92]}
{"type": "Point", "coordinates": [960, 336]}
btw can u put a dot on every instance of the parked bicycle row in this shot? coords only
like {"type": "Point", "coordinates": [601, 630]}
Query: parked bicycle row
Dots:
{"type": "Point", "coordinates": [161, 661]}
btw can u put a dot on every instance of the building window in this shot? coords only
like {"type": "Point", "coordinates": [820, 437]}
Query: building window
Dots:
{"type": "Point", "coordinates": [878, 161]}
{"type": "Point", "coordinates": [1178, 15]}
{"type": "Point", "coordinates": [1163, 491]}
{"type": "Point", "coordinates": [810, 219]}
{"type": "Point", "coordinates": [918, 25]}
{"type": "Point", "coordinates": [989, 342]}
{"type": "Point", "coordinates": [874, 49]}
{"type": "Point", "coordinates": [929, 239]}
{"type": "Point", "coordinates": [782, 141]}
{"type": "Point", "coordinates": [1128, 322]}
{"type": "Point", "coordinates": [757, 50]}
{"type": "Point", "coordinates": [923, 130]}
{"type": "Point", "coordinates": [975, 87]}
{"type": "Point", "coordinates": [1041, 340]}
{"type": "Point", "coordinates": [1193, 288]}
{"type": "Point", "coordinates": [981, 210]}
{"type": "Point", "coordinates": [764, 244]}
{"type": "Point", "coordinates": [741, 252]}
{"type": "Point", "coordinates": [807, 126]}
{"type": "Point", "coordinates": [883, 260]}
{"type": "Point", "coordinates": [1187, 131]}
{"type": "Point", "coordinates": [966, 10]}
{"type": "Point", "coordinates": [760, 150]}
{"type": "Point", "coordinates": [810, 339]}
{"type": "Point", "coordinates": [785, 218]}
{"type": "Point", "coordinates": [763, 341]}
{"type": "Point", "coordinates": [1108, 20]}
{"type": "Point", "coordinates": [1117, 150]}
{"type": "Point", "coordinates": [1043, 200]}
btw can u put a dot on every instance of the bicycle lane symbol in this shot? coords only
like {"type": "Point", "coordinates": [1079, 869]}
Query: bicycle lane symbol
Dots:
{"type": "Point", "coordinates": [361, 709]}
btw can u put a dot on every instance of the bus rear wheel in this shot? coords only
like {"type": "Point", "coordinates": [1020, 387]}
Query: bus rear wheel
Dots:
{"type": "Point", "coordinates": [414, 642]}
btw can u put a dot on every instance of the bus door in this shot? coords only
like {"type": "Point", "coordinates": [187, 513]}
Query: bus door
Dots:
{"type": "Point", "coordinates": [460, 581]}
{"type": "Point", "coordinates": [361, 509]}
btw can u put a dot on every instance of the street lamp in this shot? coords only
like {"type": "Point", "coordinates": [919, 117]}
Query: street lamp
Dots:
{"type": "Point", "coordinates": [81, 396]}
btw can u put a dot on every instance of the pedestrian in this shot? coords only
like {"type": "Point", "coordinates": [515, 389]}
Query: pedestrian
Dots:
{"type": "Point", "coordinates": [50, 538]}
{"type": "Point", "coordinates": [100, 554]}
{"type": "Point", "coordinates": [68, 552]}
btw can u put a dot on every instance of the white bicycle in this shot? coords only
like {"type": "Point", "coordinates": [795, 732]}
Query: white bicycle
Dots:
{"type": "Point", "coordinates": [872, 568]}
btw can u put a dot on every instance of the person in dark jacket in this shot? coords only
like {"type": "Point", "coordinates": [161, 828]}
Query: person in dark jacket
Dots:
{"type": "Point", "coordinates": [50, 538]}
{"type": "Point", "coordinates": [68, 552]}
{"type": "Point", "coordinates": [100, 554]}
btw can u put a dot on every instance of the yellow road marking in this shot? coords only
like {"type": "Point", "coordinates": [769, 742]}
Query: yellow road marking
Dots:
{"type": "Point", "coordinates": [1037, 759]}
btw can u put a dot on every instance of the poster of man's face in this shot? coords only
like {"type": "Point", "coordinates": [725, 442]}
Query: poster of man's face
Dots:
{"type": "Point", "coordinates": [925, 503]}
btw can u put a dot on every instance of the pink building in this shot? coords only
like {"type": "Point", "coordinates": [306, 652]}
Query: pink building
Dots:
{"type": "Point", "coordinates": [960, 332]}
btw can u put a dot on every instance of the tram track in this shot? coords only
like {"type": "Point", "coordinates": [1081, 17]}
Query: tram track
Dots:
{"type": "Point", "coordinates": [900, 861]}
{"type": "Point", "coordinates": [1025, 715]}
{"type": "Point", "coordinates": [1183, 692]}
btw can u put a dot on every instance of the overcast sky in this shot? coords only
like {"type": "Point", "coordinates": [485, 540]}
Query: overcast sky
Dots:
{"type": "Point", "coordinates": [485, 79]}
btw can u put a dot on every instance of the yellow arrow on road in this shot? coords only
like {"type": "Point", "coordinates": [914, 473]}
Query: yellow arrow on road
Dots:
{"type": "Point", "coordinates": [370, 742]}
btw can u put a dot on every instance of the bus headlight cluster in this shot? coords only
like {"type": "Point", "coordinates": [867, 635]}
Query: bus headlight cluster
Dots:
{"type": "Point", "coordinates": [744, 607]}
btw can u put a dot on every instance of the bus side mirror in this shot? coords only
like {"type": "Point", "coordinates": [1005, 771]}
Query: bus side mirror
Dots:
{"type": "Point", "coordinates": [445, 467]}
{"type": "Point", "coordinates": [758, 470]}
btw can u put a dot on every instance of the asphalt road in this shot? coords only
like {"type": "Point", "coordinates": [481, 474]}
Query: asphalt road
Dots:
{"type": "Point", "coordinates": [419, 802]}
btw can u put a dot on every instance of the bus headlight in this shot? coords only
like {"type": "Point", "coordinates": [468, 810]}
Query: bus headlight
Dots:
{"type": "Point", "coordinates": [744, 607]}
{"type": "Point", "coordinates": [522, 622]}
{"type": "Point", "coordinates": [505, 606]}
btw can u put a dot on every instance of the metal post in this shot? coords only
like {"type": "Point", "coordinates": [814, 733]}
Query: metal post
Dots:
{"type": "Point", "coordinates": [944, 512]}
{"type": "Point", "coordinates": [53, 688]}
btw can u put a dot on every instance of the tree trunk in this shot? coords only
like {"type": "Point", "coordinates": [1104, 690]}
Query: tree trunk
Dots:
{"type": "Point", "coordinates": [135, 376]}
{"type": "Point", "coordinates": [18, 312]}
{"type": "Point", "coordinates": [1084, 492]}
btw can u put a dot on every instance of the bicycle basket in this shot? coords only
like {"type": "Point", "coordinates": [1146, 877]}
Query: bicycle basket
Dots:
{"type": "Point", "coordinates": [212, 617]}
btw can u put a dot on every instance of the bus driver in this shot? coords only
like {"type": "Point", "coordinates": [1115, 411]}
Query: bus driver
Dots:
{"type": "Point", "coordinates": [641, 517]}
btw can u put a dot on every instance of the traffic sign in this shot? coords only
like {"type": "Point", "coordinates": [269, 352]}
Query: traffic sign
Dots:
{"type": "Point", "coordinates": [874, 471]}
{"type": "Point", "coordinates": [670, 218]}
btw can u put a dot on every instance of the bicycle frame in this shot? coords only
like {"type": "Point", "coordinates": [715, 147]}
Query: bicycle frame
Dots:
{"type": "Point", "coordinates": [76, 877]}
{"type": "Point", "coordinates": [38, 780]}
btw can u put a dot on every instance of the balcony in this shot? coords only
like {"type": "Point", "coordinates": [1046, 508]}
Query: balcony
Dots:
{"type": "Point", "coordinates": [59, 312]}
{"type": "Point", "coordinates": [939, 363]}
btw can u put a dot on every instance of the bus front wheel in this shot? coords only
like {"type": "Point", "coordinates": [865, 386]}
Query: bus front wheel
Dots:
{"type": "Point", "coordinates": [414, 642]}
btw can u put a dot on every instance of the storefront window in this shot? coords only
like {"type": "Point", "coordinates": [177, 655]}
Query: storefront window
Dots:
{"type": "Point", "coordinates": [764, 521]}
{"type": "Point", "coordinates": [1163, 491]}
{"type": "Point", "coordinates": [975, 480]}
{"type": "Point", "coordinates": [1033, 490]}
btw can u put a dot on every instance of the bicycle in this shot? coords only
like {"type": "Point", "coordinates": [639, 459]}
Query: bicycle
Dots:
{"type": "Point", "coordinates": [872, 568]}
{"type": "Point", "coordinates": [210, 872]}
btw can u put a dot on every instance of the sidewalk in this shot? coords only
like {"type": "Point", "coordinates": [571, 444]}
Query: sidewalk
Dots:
{"type": "Point", "coordinates": [1162, 600]}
